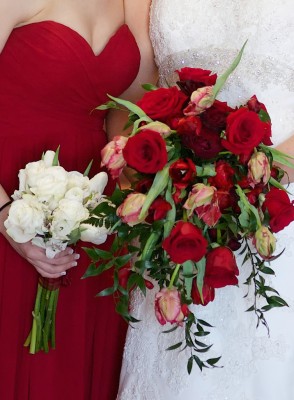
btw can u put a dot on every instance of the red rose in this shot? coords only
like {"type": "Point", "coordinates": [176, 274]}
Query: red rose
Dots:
{"type": "Point", "coordinates": [221, 268]}
{"type": "Point", "coordinates": [244, 131]}
{"type": "Point", "coordinates": [184, 243]}
{"type": "Point", "coordinates": [163, 104]}
{"type": "Point", "coordinates": [146, 152]}
{"type": "Point", "coordinates": [192, 79]}
{"type": "Point", "coordinates": [224, 176]}
{"type": "Point", "coordinates": [208, 294]}
{"type": "Point", "coordinates": [280, 209]}
{"type": "Point", "coordinates": [182, 172]}
{"type": "Point", "coordinates": [206, 145]}
{"type": "Point", "coordinates": [254, 105]}
{"type": "Point", "coordinates": [215, 117]}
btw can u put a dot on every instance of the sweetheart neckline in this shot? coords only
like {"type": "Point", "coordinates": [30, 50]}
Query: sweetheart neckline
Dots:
{"type": "Point", "coordinates": [81, 38]}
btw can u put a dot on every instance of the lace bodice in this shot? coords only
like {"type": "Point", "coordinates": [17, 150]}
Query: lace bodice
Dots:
{"type": "Point", "coordinates": [209, 33]}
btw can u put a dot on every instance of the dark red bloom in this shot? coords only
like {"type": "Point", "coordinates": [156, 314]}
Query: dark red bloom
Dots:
{"type": "Point", "coordinates": [182, 172]}
{"type": "Point", "coordinates": [208, 294]}
{"type": "Point", "coordinates": [244, 132]}
{"type": "Point", "coordinates": [224, 176]}
{"type": "Point", "coordinates": [221, 268]}
{"type": "Point", "coordinates": [215, 117]}
{"type": "Point", "coordinates": [163, 104]}
{"type": "Point", "coordinates": [158, 209]}
{"type": "Point", "coordinates": [184, 243]}
{"type": "Point", "coordinates": [191, 79]}
{"type": "Point", "coordinates": [206, 145]}
{"type": "Point", "coordinates": [146, 152]}
{"type": "Point", "coordinates": [189, 125]}
{"type": "Point", "coordinates": [280, 209]}
{"type": "Point", "coordinates": [254, 105]}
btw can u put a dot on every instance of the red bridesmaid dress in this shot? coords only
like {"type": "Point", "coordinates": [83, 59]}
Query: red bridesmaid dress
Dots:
{"type": "Point", "coordinates": [50, 81]}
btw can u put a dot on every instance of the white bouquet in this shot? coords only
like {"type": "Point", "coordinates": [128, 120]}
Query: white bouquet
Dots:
{"type": "Point", "coordinates": [51, 208]}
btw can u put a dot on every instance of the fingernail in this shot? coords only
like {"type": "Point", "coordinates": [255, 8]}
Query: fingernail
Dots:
{"type": "Point", "coordinates": [62, 273]}
{"type": "Point", "coordinates": [77, 256]}
{"type": "Point", "coordinates": [74, 264]}
{"type": "Point", "coordinates": [70, 251]}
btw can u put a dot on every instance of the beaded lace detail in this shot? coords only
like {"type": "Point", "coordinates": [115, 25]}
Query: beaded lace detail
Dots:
{"type": "Point", "coordinates": [208, 34]}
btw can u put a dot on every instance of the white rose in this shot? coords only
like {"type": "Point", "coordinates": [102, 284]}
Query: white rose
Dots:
{"type": "Point", "coordinates": [27, 177]}
{"type": "Point", "coordinates": [67, 217]}
{"type": "Point", "coordinates": [75, 193]}
{"type": "Point", "coordinates": [25, 219]}
{"type": "Point", "coordinates": [93, 234]}
{"type": "Point", "coordinates": [76, 179]}
{"type": "Point", "coordinates": [50, 185]}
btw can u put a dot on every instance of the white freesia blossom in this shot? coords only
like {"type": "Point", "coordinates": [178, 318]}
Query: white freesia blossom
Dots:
{"type": "Point", "coordinates": [67, 217]}
{"type": "Point", "coordinates": [93, 234]}
{"type": "Point", "coordinates": [25, 220]}
{"type": "Point", "coordinates": [51, 246]}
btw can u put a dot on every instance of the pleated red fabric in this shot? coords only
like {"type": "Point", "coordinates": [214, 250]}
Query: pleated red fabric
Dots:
{"type": "Point", "coordinates": [50, 82]}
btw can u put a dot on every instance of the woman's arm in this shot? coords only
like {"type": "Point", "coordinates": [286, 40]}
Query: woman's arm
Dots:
{"type": "Point", "coordinates": [288, 148]}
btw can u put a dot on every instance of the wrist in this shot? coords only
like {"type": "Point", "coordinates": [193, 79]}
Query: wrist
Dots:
{"type": "Point", "coordinates": [5, 205]}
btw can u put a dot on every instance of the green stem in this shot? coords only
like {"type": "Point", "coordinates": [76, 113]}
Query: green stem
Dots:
{"type": "Point", "coordinates": [48, 321]}
{"type": "Point", "coordinates": [175, 273]}
{"type": "Point", "coordinates": [54, 320]}
{"type": "Point", "coordinates": [36, 321]}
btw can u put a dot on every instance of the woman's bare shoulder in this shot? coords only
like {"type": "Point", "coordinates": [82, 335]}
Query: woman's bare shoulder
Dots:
{"type": "Point", "coordinates": [17, 12]}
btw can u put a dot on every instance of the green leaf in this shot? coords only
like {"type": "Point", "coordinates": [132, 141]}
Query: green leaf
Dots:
{"type": "Point", "coordinates": [213, 361]}
{"type": "Point", "coordinates": [171, 330]}
{"type": "Point", "coordinates": [108, 105]}
{"type": "Point", "coordinates": [202, 322]}
{"type": "Point", "coordinates": [159, 184]}
{"type": "Point", "coordinates": [86, 173]}
{"type": "Point", "coordinates": [188, 268]}
{"type": "Point", "coordinates": [279, 156]}
{"type": "Point", "coordinates": [55, 161]}
{"type": "Point", "coordinates": [277, 301]}
{"type": "Point", "coordinates": [264, 116]}
{"type": "Point", "coordinates": [149, 246]}
{"type": "Point", "coordinates": [149, 87]}
{"type": "Point", "coordinates": [222, 79]}
{"type": "Point", "coordinates": [190, 364]}
{"type": "Point", "coordinates": [106, 292]}
{"type": "Point", "coordinates": [200, 275]}
{"type": "Point", "coordinates": [105, 255]}
{"type": "Point", "coordinates": [205, 170]}
{"type": "Point", "coordinates": [171, 215]}
{"type": "Point", "coordinates": [129, 105]}
{"type": "Point", "coordinates": [175, 346]}
{"type": "Point", "coordinates": [122, 260]}
{"type": "Point", "coordinates": [277, 184]}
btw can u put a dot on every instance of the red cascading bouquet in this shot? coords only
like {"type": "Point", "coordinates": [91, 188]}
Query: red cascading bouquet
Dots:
{"type": "Point", "coordinates": [205, 186]}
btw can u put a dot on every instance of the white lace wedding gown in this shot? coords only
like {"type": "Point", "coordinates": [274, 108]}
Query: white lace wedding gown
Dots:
{"type": "Point", "coordinates": [208, 34]}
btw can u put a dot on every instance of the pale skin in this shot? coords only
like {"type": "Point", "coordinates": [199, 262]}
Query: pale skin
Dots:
{"type": "Point", "coordinates": [96, 21]}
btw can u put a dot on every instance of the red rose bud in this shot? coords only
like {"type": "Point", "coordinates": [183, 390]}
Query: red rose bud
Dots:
{"type": "Point", "coordinates": [189, 125]}
{"type": "Point", "coordinates": [221, 268]}
{"type": "Point", "coordinates": [208, 294]}
{"type": "Point", "coordinates": [158, 210]}
{"type": "Point", "coordinates": [112, 156]}
{"type": "Point", "coordinates": [130, 209]}
{"type": "Point", "coordinates": [200, 195]}
{"type": "Point", "coordinates": [149, 285]}
{"type": "Point", "coordinates": [264, 242]}
{"type": "Point", "coordinates": [163, 104]}
{"type": "Point", "coordinates": [224, 178]}
{"type": "Point", "coordinates": [182, 172]}
{"type": "Point", "coordinates": [280, 209]}
{"type": "Point", "coordinates": [258, 169]}
{"type": "Point", "coordinates": [143, 185]}
{"type": "Point", "coordinates": [123, 276]}
{"type": "Point", "coordinates": [244, 132]}
{"type": "Point", "coordinates": [146, 152]}
{"type": "Point", "coordinates": [168, 306]}
{"type": "Point", "coordinates": [253, 195]}
{"type": "Point", "coordinates": [200, 101]}
{"type": "Point", "coordinates": [184, 243]}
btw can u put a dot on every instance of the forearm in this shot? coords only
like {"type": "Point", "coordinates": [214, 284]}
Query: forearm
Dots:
{"type": "Point", "coordinates": [288, 148]}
